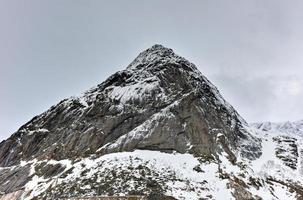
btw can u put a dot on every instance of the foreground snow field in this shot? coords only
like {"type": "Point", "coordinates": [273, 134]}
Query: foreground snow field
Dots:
{"type": "Point", "coordinates": [182, 176]}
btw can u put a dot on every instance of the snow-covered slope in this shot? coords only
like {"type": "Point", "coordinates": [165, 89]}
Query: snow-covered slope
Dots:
{"type": "Point", "coordinates": [158, 129]}
{"type": "Point", "coordinates": [282, 156]}
{"type": "Point", "coordinates": [181, 176]}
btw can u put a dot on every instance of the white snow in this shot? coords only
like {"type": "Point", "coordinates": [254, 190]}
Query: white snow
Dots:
{"type": "Point", "coordinates": [268, 165]}
{"type": "Point", "coordinates": [133, 91]}
{"type": "Point", "coordinates": [31, 132]}
{"type": "Point", "coordinates": [165, 164]}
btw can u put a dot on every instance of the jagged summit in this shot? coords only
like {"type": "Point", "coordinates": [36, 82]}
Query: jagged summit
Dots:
{"type": "Point", "coordinates": [156, 54]}
{"type": "Point", "coordinates": [157, 51]}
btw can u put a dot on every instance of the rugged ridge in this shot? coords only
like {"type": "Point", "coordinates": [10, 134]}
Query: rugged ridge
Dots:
{"type": "Point", "coordinates": [160, 102]}
{"type": "Point", "coordinates": [158, 129]}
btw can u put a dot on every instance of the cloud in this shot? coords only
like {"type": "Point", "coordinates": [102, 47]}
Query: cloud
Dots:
{"type": "Point", "coordinates": [291, 86]}
{"type": "Point", "coordinates": [261, 98]}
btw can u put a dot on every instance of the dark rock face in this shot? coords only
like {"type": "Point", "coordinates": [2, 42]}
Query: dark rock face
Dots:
{"type": "Point", "coordinates": [14, 180]}
{"type": "Point", "coordinates": [287, 150]}
{"type": "Point", "coordinates": [160, 102]}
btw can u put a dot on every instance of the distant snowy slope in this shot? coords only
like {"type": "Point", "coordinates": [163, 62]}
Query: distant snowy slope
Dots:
{"type": "Point", "coordinates": [281, 127]}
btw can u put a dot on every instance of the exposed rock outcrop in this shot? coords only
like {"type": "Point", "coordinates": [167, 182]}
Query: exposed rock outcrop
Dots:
{"type": "Point", "coordinates": [160, 102]}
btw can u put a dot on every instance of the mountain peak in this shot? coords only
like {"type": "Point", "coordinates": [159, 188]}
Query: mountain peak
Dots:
{"type": "Point", "coordinates": [157, 47]}
{"type": "Point", "coordinates": [154, 54]}
{"type": "Point", "coordinates": [160, 103]}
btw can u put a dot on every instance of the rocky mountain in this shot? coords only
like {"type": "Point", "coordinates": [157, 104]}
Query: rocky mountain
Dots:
{"type": "Point", "coordinates": [156, 130]}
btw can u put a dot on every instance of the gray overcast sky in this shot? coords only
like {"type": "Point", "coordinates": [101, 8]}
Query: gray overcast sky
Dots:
{"type": "Point", "coordinates": [52, 49]}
